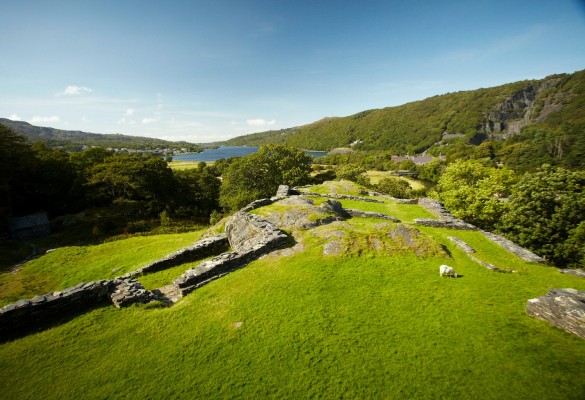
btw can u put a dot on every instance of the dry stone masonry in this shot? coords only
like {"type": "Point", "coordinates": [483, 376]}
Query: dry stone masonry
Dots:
{"type": "Point", "coordinates": [564, 308]}
{"type": "Point", "coordinates": [370, 214]}
{"type": "Point", "coordinates": [25, 314]}
{"type": "Point", "coordinates": [447, 220]}
{"type": "Point", "coordinates": [250, 237]}
{"type": "Point", "coordinates": [470, 253]}
{"type": "Point", "coordinates": [200, 249]}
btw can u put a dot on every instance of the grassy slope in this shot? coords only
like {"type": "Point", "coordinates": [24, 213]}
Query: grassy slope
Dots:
{"type": "Point", "coordinates": [377, 325]}
{"type": "Point", "coordinates": [68, 266]}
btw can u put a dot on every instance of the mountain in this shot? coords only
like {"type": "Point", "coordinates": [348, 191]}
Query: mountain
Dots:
{"type": "Point", "coordinates": [76, 140]}
{"type": "Point", "coordinates": [553, 107]}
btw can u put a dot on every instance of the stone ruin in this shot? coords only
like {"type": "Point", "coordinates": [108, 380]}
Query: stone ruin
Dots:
{"type": "Point", "coordinates": [250, 237]}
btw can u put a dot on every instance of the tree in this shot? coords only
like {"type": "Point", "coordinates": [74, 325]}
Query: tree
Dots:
{"type": "Point", "coordinates": [474, 192]}
{"type": "Point", "coordinates": [258, 175]}
{"type": "Point", "coordinates": [15, 157]}
{"type": "Point", "coordinates": [432, 170]}
{"type": "Point", "coordinates": [141, 186]}
{"type": "Point", "coordinates": [395, 187]}
{"type": "Point", "coordinates": [197, 194]}
{"type": "Point", "coordinates": [350, 172]}
{"type": "Point", "coordinates": [546, 215]}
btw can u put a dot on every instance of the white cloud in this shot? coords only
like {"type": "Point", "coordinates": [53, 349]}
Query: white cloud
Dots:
{"type": "Point", "coordinates": [259, 122]}
{"type": "Point", "coordinates": [129, 112]}
{"type": "Point", "coordinates": [73, 90]}
{"type": "Point", "coordinates": [15, 117]}
{"type": "Point", "coordinates": [38, 119]}
{"type": "Point", "coordinates": [148, 120]}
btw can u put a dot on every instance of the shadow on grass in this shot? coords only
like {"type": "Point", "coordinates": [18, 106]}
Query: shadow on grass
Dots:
{"type": "Point", "coordinates": [35, 325]}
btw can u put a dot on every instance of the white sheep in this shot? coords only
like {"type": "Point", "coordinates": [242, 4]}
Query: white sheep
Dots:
{"type": "Point", "coordinates": [447, 270]}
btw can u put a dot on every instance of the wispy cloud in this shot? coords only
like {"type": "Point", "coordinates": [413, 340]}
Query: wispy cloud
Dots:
{"type": "Point", "coordinates": [148, 120]}
{"type": "Point", "coordinates": [15, 117]}
{"type": "Point", "coordinates": [259, 122]}
{"type": "Point", "coordinates": [497, 48]}
{"type": "Point", "coordinates": [39, 119]}
{"type": "Point", "coordinates": [73, 90]}
{"type": "Point", "coordinates": [129, 112]}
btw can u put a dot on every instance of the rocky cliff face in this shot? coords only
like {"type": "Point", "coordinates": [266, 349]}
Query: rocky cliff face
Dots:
{"type": "Point", "coordinates": [531, 104]}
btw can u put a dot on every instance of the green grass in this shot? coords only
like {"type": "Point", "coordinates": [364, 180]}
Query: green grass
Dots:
{"type": "Point", "coordinates": [376, 326]}
{"type": "Point", "coordinates": [404, 212]}
{"type": "Point", "coordinates": [377, 176]}
{"type": "Point", "coordinates": [67, 266]}
{"type": "Point", "coordinates": [183, 165]}
{"type": "Point", "coordinates": [158, 279]}
{"type": "Point", "coordinates": [366, 324]}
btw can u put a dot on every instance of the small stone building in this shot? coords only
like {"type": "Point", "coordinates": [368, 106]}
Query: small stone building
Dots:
{"type": "Point", "coordinates": [29, 226]}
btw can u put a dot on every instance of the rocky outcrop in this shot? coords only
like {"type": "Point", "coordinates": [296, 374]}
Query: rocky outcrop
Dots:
{"type": "Point", "coordinates": [575, 272]}
{"type": "Point", "coordinates": [248, 231]}
{"type": "Point", "coordinates": [564, 308]}
{"type": "Point", "coordinates": [250, 236]}
{"type": "Point", "coordinates": [508, 117]}
{"type": "Point", "coordinates": [300, 212]}
{"type": "Point", "coordinates": [370, 214]}
{"type": "Point", "coordinates": [200, 249]}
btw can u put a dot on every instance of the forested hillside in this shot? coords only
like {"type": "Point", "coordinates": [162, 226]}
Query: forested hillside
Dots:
{"type": "Point", "coordinates": [540, 119]}
{"type": "Point", "coordinates": [76, 140]}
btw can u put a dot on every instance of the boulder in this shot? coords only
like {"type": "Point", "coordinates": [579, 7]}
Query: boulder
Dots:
{"type": "Point", "coordinates": [564, 308]}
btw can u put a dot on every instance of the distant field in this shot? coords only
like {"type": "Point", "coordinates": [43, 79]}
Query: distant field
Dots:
{"type": "Point", "coordinates": [180, 165]}
{"type": "Point", "coordinates": [377, 176]}
{"type": "Point", "coordinates": [366, 324]}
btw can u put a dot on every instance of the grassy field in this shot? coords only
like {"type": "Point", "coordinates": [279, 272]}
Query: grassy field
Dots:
{"type": "Point", "coordinates": [67, 266]}
{"type": "Point", "coordinates": [367, 324]}
{"type": "Point", "coordinates": [181, 165]}
{"type": "Point", "coordinates": [377, 176]}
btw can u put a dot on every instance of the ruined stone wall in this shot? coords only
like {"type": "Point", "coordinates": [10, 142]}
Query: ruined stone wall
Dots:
{"type": "Point", "coordinates": [25, 314]}
{"type": "Point", "coordinates": [447, 220]}
{"type": "Point", "coordinates": [251, 236]}
{"type": "Point", "coordinates": [200, 249]}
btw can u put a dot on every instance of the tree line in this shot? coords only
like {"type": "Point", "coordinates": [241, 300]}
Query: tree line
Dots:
{"type": "Point", "coordinates": [543, 209]}
{"type": "Point", "coordinates": [124, 192]}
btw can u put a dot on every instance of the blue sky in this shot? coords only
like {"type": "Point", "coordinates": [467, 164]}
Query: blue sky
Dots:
{"type": "Point", "coordinates": [203, 71]}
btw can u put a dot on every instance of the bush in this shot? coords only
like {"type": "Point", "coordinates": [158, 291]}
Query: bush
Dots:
{"type": "Point", "coordinates": [394, 187]}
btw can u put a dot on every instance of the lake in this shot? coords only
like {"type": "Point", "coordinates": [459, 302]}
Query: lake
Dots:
{"type": "Point", "coordinates": [229, 151]}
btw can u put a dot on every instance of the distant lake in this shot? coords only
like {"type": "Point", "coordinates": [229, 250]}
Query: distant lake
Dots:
{"type": "Point", "coordinates": [229, 151]}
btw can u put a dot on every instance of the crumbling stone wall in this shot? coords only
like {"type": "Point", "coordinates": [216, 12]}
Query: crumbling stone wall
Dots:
{"type": "Point", "coordinates": [200, 249]}
{"type": "Point", "coordinates": [251, 237]}
{"type": "Point", "coordinates": [25, 314]}
{"type": "Point", "coordinates": [447, 220]}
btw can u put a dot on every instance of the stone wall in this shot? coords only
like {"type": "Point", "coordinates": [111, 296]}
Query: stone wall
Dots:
{"type": "Point", "coordinates": [25, 314]}
{"type": "Point", "coordinates": [447, 220]}
{"type": "Point", "coordinates": [341, 197]}
{"type": "Point", "coordinates": [250, 236]}
{"type": "Point", "coordinates": [449, 224]}
{"type": "Point", "coordinates": [370, 214]}
{"type": "Point", "coordinates": [200, 249]}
